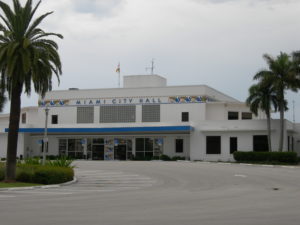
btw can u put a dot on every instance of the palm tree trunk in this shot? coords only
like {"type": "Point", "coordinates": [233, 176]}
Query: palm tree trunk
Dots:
{"type": "Point", "coordinates": [14, 120]}
{"type": "Point", "coordinates": [269, 131]}
{"type": "Point", "coordinates": [282, 108]}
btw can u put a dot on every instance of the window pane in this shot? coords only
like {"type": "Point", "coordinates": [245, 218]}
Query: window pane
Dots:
{"type": "Point", "coordinates": [233, 115]}
{"type": "Point", "coordinates": [54, 119]}
{"type": "Point", "coordinates": [140, 144]}
{"type": "Point", "coordinates": [260, 143]}
{"type": "Point", "coordinates": [23, 118]}
{"type": "Point", "coordinates": [213, 145]}
{"type": "Point", "coordinates": [148, 144]}
{"type": "Point", "coordinates": [148, 155]}
{"type": "Point", "coordinates": [62, 147]}
{"type": "Point", "coordinates": [158, 147]}
{"type": "Point", "coordinates": [246, 116]}
{"type": "Point", "coordinates": [98, 141]}
{"type": "Point", "coordinates": [185, 117]}
{"type": "Point", "coordinates": [139, 155]}
{"type": "Point", "coordinates": [179, 145]}
{"type": "Point", "coordinates": [233, 145]}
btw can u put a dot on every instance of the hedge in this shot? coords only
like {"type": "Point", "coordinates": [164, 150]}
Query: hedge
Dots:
{"type": "Point", "coordinates": [41, 174]}
{"type": "Point", "coordinates": [266, 157]}
{"type": "Point", "coordinates": [2, 171]}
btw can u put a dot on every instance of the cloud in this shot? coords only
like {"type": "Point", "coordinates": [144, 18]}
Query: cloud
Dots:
{"type": "Point", "coordinates": [215, 42]}
{"type": "Point", "coordinates": [251, 2]}
{"type": "Point", "coordinates": [100, 8]}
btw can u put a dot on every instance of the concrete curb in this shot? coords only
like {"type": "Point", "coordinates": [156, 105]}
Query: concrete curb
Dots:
{"type": "Point", "coordinates": [256, 165]}
{"type": "Point", "coordinates": [40, 187]}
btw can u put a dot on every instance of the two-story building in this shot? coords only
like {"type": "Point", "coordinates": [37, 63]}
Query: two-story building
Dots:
{"type": "Point", "coordinates": [145, 118]}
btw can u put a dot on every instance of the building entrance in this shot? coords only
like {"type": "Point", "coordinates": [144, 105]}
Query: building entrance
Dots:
{"type": "Point", "coordinates": [98, 152]}
{"type": "Point", "coordinates": [120, 152]}
{"type": "Point", "coordinates": [122, 149]}
{"type": "Point", "coordinates": [95, 148]}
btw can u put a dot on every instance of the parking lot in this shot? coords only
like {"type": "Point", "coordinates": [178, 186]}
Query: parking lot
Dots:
{"type": "Point", "coordinates": [161, 193]}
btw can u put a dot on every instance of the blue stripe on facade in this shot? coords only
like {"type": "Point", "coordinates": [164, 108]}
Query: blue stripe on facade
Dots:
{"type": "Point", "coordinates": [106, 130]}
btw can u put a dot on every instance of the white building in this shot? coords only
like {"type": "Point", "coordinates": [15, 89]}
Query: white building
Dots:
{"type": "Point", "coordinates": [145, 118]}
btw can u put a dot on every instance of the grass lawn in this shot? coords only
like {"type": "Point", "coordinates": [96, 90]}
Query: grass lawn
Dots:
{"type": "Point", "coordinates": [17, 184]}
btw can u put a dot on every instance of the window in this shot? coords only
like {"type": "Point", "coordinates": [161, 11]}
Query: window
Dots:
{"type": "Point", "coordinates": [151, 113]}
{"type": "Point", "coordinates": [54, 119]}
{"type": "Point", "coordinates": [260, 143]}
{"type": "Point", "coordinates": [233, 115]}
{"type": "Point", "coordinates": [75, 149]}
{"type": "Point", "coordinates": [233, 145]}
{"type": "Point", "coordinates": [85, 114]}
{"type": "Point", "coordinates": [213, 145]}
{"type": "Point", "coordinates": [185, 117]}
{"type": "Point", "coordinates": [246, 116]}
{"type": "Point", "coordinates": [62, 147]}
{"type": "Point", "coordinates": [148, 147]}
{"type": "Point", "coordinates": [179, 145]}
{"type": "Point", "coordinates": [23, 118]}
{"type": "Point", "coordinates": [290, 143]}
{"type": "Point", "coordinates": [118, 114]}
{"type": "Point", "coordinates": [144, 148]}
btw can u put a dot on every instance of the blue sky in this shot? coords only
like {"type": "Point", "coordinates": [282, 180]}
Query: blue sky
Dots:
{"type": "Point", "coordinates": [215, 42]}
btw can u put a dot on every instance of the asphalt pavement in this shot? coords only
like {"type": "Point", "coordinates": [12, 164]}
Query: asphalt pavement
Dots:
{"type": "Point", "coordinates": [140, 193]}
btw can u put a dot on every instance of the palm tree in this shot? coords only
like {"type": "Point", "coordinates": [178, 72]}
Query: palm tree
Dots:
{"type": "Point", "coordinates": [283, 76]}
{"type": "Point", "coordinates": [26, 56]}
{"type": "Point", "coordinates": [296, 59]}
{"type": "Point", "coordinates": [3, 98]}
{"type": "Point", "coordinates": [262, 96]}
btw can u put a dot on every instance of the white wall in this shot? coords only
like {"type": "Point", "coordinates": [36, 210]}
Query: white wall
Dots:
{"type": "Point", "coordinates": [3, 145]}
{"type": "Point", "coordinates": [243, 130]}
{"type": "Point", "coordinates": [170, 149]}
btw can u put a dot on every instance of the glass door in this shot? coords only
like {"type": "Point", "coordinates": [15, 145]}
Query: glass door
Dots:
{"type": "Point", "coordinates": [120, 149]}
{"type": "Point", "coordinates": [98, 152]}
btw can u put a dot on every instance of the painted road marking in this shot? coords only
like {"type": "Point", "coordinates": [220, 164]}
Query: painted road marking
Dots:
{"type": "Point", "coordinates": [240, 175]}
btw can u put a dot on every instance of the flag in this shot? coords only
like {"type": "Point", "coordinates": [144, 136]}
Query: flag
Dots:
{"type": "Point", "coordinates": [118, 70]}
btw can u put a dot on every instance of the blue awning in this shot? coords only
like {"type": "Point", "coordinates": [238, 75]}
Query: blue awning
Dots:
{"type": "Point", "coordinates": [158, 129]}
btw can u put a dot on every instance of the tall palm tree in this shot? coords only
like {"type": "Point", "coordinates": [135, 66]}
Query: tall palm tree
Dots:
{"type": "Point", "coordinates": [296, 59]}
{"type": "Point", "coordinates": [3, 97]}
{"type": "Point", "coordinates": [262, 96]}
{"type": "Point", "coordinates": [283, 76]}
{"type": "Point", "coordinates": [26, 57]}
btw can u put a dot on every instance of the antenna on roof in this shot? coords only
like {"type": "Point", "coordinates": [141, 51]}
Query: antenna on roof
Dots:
{"type": "Point", "coordinates": [151, 68]}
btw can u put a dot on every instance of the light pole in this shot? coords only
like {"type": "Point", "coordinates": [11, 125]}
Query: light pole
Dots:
{"type": "Point", "coordinates": [45, 141]}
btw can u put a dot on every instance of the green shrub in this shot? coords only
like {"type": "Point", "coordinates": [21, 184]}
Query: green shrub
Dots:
{"type": "Point", "coordinates": [40, 174]}
{"type": "Point", "coordinates": [175, 158]}
{"type": "Point", "coordinates": [25, 174]}
{"type": "Point", "coordinates": [32, 161]}
{"type": "Point", "coordinates": [52, 157]}
{"type": "Point", "coordinates": [142, 158]}
{"type": "Point", "coordinates": [266, 157]}
{"type": "Point", "coordinates": [2, 171]}
{"type": "Point", "coordinates": [61, 162]}
{"type": "Point", "coordinates": [3, 159]}
{"type": "Point", "coordinates": [155, 158]}
{"type": "Point", "coordinates": [52, 175]}
{"type": "Point", "coordinates": [165, 158]}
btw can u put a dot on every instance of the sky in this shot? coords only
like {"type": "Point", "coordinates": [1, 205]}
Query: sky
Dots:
{"type": "Point", "coordinates": [219, 43]}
